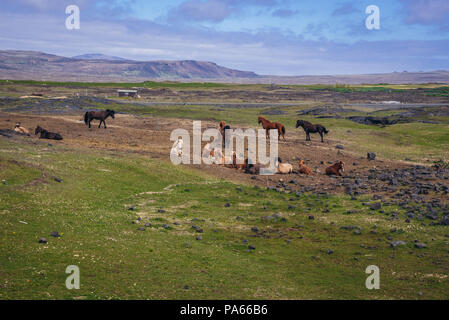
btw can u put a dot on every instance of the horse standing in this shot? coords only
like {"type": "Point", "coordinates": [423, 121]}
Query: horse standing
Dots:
{"type": "Point", "coordinates": [267, 125]}
{"type": "Point", "coordinates": [98, 115]}
{"type": "Point", "coordinates": [311, 128]}
{"type": "Point", "coordinates": [222, 126]}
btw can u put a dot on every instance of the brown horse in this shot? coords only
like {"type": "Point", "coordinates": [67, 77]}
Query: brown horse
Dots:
{"type": "Point", "coordinates": [267, 125]}
{"type": "Point", "coordinates": [303, 169]}
{"type": "Point", "coordinates": [98, 115]}
{"type": "Point", "coordinates": [222, 126]}
{"type": "Point", "coordinates": [336, 169]}
{"type": "Point", "coordinates": [46, 134]}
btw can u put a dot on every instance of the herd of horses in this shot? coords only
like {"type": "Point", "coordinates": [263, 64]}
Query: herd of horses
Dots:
{"type": "Point", "coordinates": [282, 167]}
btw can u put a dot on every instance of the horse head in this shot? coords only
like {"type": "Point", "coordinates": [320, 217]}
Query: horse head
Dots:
{"type": "Point", "coordinates": [260, 120]}
{"type": "Point", "coordinates": [221, 125]}
{"type": "Point", "coordinates": [341, 165]}
{"type": "Point", "coordinates": [299, 123]}
{"type": "Point", "coordinates": [111, 113]}
{"type": "Point", "coordinates": [38, 129]}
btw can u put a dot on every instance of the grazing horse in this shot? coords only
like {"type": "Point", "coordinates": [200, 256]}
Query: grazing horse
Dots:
{"type": "Point", "coordinates": [311, 128]}
{"type": "Point", "coordinates": [303, 169]}
{"type": "Point", "coordinates": [336, 169]}
{"type": "Point", "coordinates": [46, 134]}
{"type": "Point", "coordinates": [222, 126]}
{"type": "Point", "coordinates": [18, 128]}
{"type": "Point", "coordinates": [267, 125]}
{"type": "Point", "coordinates": [98, 115]}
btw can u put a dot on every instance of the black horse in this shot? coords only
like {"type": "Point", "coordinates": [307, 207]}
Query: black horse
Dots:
{"type": "Point", "coordinates": [98, 115]}
{"type": "Point", "coordinates": [311, 128]}
{"type": "Point", "coordinates": [46, 134]}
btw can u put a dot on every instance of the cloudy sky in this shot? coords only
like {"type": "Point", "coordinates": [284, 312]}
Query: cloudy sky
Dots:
{"type": "Point", "coordinates": [279, 37]}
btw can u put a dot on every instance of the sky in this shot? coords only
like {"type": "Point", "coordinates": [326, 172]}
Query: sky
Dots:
{"type": "Point", "coordinates": [269, 37]}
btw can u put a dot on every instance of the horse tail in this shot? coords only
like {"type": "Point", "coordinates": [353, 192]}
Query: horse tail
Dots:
{"type": "Point", "coordinates": [283, 130]}
{"type": "Point", "coordinates": [86, 117]}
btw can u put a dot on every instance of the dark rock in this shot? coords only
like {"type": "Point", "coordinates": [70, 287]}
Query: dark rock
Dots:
{"type": "Point", "coordinates": [166, 226]}
{"type": "Point", "coordinates": [227, 205]}
{"type": "Point", "coordinates": [254, 229]}
{"type": "Point", "coordinates": [57, 179]}
{"type": "Point", "coordinates": [339, 146]}
{"type": "Point", "coordinates": [397, 243]}
{"type": "Point", "coordinates": [55, 234]}
{"type": "Point", "coordinates": [420, 245]}
{"type": "Point", "coordinates": [311, 217]}
{"type": "Point", "coordinates": [250, 247]}
{"type": "Point", "coordinates": [161, 211]}
{"type": "Point", "coordinates": [375, 206]}
{"type": "Point", "coordinates": [329, 251]}
{"type": "Point", "coordinates": [141, 229]}
{"type": "Point", "coordinates": [371, 156]}
{"type": "Point", "coordinates": [43, 240]}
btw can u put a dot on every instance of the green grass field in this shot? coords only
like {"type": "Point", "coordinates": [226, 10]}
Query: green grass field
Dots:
{"type": "Point", "coordinates": [116, 260]}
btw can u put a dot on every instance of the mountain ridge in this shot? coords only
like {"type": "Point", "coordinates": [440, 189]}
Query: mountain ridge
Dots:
{"type": "Point", "coordinates": [34, 65]}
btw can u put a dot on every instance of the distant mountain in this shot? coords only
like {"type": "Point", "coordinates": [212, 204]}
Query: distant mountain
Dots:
{"type": "Point", "coordinates": [38, 65]}
{"type": "Point", "coordinates": [96, 56]}
{"type": "Point", "coordinates": [32, 65]}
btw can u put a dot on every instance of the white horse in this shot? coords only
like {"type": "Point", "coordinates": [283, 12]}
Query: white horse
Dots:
{"type": "Point", "coordinates": [177, 147]}
{"type": "Point", "coordinates": [20, 129]}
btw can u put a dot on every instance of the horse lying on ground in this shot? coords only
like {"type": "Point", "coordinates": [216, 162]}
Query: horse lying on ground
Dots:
{"type": "Point", "coordinates": [98, 115]}
{"type": "Point", "coordinates": [46, 134]}
{"type": "Point", "coordinates": [176, 149]}
{"type": "Point", "coordinates": [18, 128]}
{"type": "Point", "coordinates": [303, 169]}
{"type": "Point", "coordinates": [267, 125]}
{"type": "Point", "coordinates": [311, 128]}
{"type": "Point", "coordinates": [284, 167]}
{"type": "Point", "coordinates": [336, 169]}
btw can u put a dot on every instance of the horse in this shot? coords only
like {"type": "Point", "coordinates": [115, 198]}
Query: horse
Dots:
{"type": "Point", "coordinates": [222, 126]}
{"type": "Point", "coordinates": [336, 169]}
{"type": "Point", "coordinates": [267, 125]}
{"type": "Point", "coordinates": [311, 128]}
{"type": "Point", "coordinates": [18, 128]}
{"type": "Point", "coordinates": [284, 167]}
{"type": "Point", "coordinates": [303, 169]}
{"type": "Point", "coordinates": [46, 134]}
{"type": "Point", "coordinates": [98, 115]}
{"type": "Point", "coordinates": [176, 149]}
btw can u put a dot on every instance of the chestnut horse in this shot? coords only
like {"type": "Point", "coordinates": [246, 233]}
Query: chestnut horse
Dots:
{"type": "Point", "coordinates": [336, 169]}
{"type": "Point", "coordinates": [267, 125]}
{"type": "Point", "coordinates": [222, 126]}
{"type": "Point", "coordinates": [98, 115]}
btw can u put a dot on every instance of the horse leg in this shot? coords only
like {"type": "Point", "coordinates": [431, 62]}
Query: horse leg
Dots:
{"type": "Point", "coordinates": [90, 120]}
{"type": "Point", "coordinates": [99, 126]}
{"type": "Point", "coordinates": [321, 134]}
{"type": "Point", "coordinates": [307, 136]}
{"type": "Point", "coordinates": [104, 123]}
